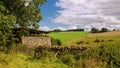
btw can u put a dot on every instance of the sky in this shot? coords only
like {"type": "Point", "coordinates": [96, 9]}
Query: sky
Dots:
{"type": "Point", "coordinates": [73, 14]}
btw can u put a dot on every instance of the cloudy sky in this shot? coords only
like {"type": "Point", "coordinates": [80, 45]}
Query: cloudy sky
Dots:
{"type": "Point", "coordinates": [72, 14]}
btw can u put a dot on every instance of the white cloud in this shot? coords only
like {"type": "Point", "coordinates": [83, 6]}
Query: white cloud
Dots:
{"type": "Point", "coordinates": [45, 28]}
{"type": "Point", "coordinates": [92, 13]}
{"type": "Point", "coordinates": [72, 27]}
{"type": "Point", "coordinates": [61, 28]}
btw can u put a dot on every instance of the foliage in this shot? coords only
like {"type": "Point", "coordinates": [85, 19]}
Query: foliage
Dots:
{"type": "Point", "coordinates": [75, 30]}
{"type": "Point", "coordinates": [68, 59]}
{"type": "Point", "coordinates": [94, 30]}
{"type": "Point", "coordinates": [25, 61]}
{"type": "Point", "coordinates": [56, 30]}
{"type": "Point", "coordinates": [6, 23]}
{"type": "Point", "coordinates": [103, 56]}
{"type": "Point", "coordinates": [80, 42]}
{"type": "Point", "coordinates": [97, 40]}
{"type": "Point", "coordinates": [26, 12]}
{"type": "Point", "coordinates": [18, 13]}
{"type": "Point", "coordinates": [56, 42]}
{"type": "Point", "coordinates": [104, 30]}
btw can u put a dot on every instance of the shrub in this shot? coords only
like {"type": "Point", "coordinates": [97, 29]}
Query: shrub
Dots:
{"type": "Point", "coordinates": [102, 40]}
{"type": "Point", "coordinates": [87, 42]}
{"type": "Point", "coordinates": [68, 59]}
{"type": "Point", "coordinates": [109, 53]}
{"type": "Point", "coordinates": [96, 40]}
{"type": "Point", "coordinates": [56, 42]}
{"type": "Point", "coordinates": [80, 42]}
{"type": "Point", "coordinates": [110, 40]}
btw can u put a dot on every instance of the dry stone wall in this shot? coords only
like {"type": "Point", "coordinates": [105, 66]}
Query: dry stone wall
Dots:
{"type": "Point", "coordinates": [36, 41]}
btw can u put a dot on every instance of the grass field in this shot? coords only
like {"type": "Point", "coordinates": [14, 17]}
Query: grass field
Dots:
{"type": "Point", "coordinates": [67, 36]}
{"type": "Point", "coordinates": [97, 39]}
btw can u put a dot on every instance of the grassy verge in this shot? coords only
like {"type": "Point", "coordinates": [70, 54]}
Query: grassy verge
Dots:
{"type": "Point", "coordinates": [25, 61]}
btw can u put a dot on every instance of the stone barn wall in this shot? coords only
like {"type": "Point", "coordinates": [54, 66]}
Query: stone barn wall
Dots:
{"type": "Point", "coordinates": [36, 41]}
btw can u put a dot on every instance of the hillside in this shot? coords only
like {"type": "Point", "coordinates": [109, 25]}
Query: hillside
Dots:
{"type": "Point", "coordinates": [111, 33]}
{"type": "Point", "coordinates": [97, 39]}
{"type": "Point", "coordinates": [67, 36]}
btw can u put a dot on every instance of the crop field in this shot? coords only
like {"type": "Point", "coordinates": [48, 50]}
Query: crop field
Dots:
{"type": "Point", "coordinates": [97, 39]}
{"type": "Point", "coordinates": [67, 36]}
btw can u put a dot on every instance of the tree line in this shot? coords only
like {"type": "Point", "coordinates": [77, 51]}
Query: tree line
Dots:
{"type": "Point", "coordinates": [94, 30]}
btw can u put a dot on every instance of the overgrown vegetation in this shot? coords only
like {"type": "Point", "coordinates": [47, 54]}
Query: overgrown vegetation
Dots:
{"type": "Point", "coordinates": [103, 56]}
{"type": "Point", "coordinates": [55, 42]}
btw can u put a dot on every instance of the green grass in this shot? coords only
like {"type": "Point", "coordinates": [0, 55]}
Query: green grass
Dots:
{"type": "Point", "coordinates": [67, 36]}
{"type": "Point", "coordinates": [24, 61]}
{"type": "Point", "coordinates": [89, 41]}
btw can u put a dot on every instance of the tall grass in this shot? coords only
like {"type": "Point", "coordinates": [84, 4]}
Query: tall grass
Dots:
{"type": "Point", "coordinates": [103, 56]}
{"type": "Point", "coordinates": [94, 41]}
{"type": "Point", "coordinates": [25, 61]}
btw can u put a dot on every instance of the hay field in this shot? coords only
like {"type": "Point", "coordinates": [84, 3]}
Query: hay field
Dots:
{"type": "Point", "coordinates": [111, 33]}
{"type": "Point", "coordinates": [97, 39]}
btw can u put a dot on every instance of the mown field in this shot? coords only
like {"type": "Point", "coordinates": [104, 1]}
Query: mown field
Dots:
{"type": "Point", "coordinates": [67, 36]}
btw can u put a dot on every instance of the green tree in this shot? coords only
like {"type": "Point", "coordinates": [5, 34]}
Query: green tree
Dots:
{"type": "Point", "coordinates": [26, 12]}
{"type": "Point", "coordinates": [18, 13]}
{"type": "Point", "coordinates": [6, 22]}
{"type": "Point", "coordinates": [94, 30]}
{"type": "Point", "coordinates": [104, 30]}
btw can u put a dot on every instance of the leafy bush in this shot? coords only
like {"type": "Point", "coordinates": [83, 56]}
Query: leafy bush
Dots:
{"type": "Point", "coordinates": [68, 59]}
{"type": "Point", "coordinates": [110, 40]}
{"type": "Point", "coordinates": [56, 42]}
{"type": "Point", "coordinates": [80, 42]}
{"type": "Point", "coordinates": [102, 40]}
{"type": "Point", "coordinates": [96, 40]}
{"type": "Point", "coordinates": [87, 42]}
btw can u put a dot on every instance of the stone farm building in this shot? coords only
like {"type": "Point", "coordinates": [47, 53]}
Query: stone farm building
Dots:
{"type": "Point", "coordinates": [35, 38]}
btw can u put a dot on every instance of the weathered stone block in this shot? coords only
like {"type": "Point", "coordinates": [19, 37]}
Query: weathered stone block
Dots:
{"type": "Point", "coordinates": [36, 41]}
